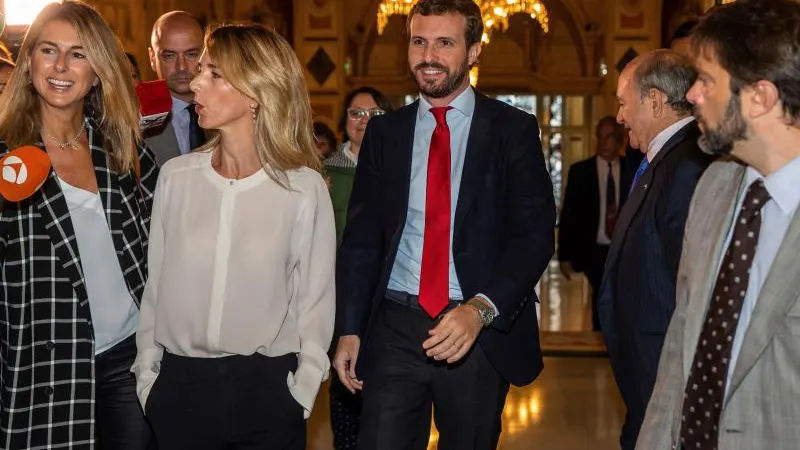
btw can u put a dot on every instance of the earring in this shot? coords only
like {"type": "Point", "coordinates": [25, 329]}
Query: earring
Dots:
{"type": "Point", "coordinates": [254, 110]}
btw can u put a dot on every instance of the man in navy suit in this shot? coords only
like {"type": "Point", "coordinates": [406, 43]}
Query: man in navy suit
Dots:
{"type": "Point", "coordinates": [450, 226]}
{"type": "Point", "coordinates": [637, 295]}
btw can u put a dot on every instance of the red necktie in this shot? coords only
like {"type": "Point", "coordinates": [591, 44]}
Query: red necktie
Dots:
{"type": "Point", "coordinates": [434, 285]}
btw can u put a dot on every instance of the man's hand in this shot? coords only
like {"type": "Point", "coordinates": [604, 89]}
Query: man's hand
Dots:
{"type": "Point", "coordinates": [566, 270]}
{"type": "Point", "coordinates": [455, 334]}
{"type": "Point", "coordinates": [345, 362]}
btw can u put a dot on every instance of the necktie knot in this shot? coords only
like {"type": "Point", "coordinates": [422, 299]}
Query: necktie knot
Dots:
{"type": "Point", "coordinates": [440, 114]}
{"type": "Point", "coordinates": [755, 198]}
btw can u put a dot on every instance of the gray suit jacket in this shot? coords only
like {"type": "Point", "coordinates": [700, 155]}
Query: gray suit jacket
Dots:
{"type": "Point", "coordinates": [163, 143]}
{"type": "Point", "coordinates": [762, 409]}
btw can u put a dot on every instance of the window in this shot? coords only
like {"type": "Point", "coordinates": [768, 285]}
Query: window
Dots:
{"type": "Point", "coordinates": [563, 129]}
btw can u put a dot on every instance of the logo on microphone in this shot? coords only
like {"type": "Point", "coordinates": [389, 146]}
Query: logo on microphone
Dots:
{"type": "Point", "coordinates": [25, 170]}
{"type": "Point", "coordinates": [14, 170]}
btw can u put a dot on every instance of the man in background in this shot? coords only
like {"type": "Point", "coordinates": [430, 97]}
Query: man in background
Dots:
{"type": "Point", "coordinates": [592, 200]}
{"type": "Point", "coordinates": [681, 40]}
{"type": "Point", "coordinates": [175, 47]}
{"type": "Point", "coordinates": [637, 296]}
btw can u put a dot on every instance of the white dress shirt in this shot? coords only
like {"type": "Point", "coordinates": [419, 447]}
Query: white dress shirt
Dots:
{"type": "Point", "coordinates": [407, 267]}
{"type": "Point", "coordinates": [604, 238]}
{"type": "Point", "coordinates": [665, 135]}
{"type": "Point", "coordinates": [776, 216]}
{"type": "Point", "coordinates": [239, 267]}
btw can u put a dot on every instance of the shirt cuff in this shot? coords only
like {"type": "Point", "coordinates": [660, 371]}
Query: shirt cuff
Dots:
{"type": "Point", "coordinates": [496, 311]}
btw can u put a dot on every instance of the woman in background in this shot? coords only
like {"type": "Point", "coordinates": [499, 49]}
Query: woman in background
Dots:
{"type": "Point", "coordinates": [325, 138]}
{"type": "Point", "coordinates": [238, 312]}
{"type": "Point", "coordinates": [360, 105]}
{"type": "Point", "coordinates": [72, 256]}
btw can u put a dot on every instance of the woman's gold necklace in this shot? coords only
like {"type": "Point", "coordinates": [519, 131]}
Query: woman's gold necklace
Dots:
{"type": "Point", "coordinates": [70, 143]}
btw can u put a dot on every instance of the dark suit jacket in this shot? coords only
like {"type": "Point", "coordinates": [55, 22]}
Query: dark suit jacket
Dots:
{"type": "Point", "coordinates": [503, 233]}
{"type": "Point", "coordinates": [637, 296]}
{"type": "Point", "coordinates": [163, 142]}
{"type": "Point", "coordinates": [580, 214]}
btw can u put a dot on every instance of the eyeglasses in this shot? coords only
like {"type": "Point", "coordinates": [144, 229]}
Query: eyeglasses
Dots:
{"type": "Point", "coordinates": [358, 113]}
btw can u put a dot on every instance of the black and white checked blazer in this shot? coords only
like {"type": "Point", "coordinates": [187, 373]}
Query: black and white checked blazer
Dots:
{"type": "Point", "coordinates": [46, 336]}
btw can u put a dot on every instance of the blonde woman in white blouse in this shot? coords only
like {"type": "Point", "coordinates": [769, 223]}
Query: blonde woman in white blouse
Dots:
{"type": "Point", "coordinates": [238, 312]}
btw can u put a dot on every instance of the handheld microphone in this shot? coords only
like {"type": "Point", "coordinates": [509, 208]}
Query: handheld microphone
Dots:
{"type": "Point", "coordinates": [25, 170]}
{"type": "Point", "coordinates": [155, 103]}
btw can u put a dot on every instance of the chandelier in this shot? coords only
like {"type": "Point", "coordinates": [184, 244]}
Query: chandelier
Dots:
{"type": "Point", "coordinates": [495, 13]}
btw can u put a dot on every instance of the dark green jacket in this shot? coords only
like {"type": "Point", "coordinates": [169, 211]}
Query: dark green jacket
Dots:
{"type": "Point", "coordinates": [341, 172]}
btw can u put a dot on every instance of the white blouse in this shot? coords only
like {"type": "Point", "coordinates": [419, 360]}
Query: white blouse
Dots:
{"type": "Point", "coordinates": [238, 267]}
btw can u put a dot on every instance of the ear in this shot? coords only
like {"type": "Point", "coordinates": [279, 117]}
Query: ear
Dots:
{"type": "Point", "coordinates": [760, 99]}
{"type": "Point", "coordinates": [655, 100]}
{"type": "Point", "coordinates": [96, 81]}
{"type": "Point", "coordinates": [152, 54]}
{"type": "Point", "coordinates": [473, 53]}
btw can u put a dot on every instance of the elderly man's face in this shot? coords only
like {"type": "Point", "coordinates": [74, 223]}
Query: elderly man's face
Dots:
{"type": "Point", "coordinates": [633, 113]}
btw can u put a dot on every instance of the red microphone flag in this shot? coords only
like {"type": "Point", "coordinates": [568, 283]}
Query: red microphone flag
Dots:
{"type": "Point", "coordinates": [24, 171]}
{"type": "Point", "coordinates": [155, 103]}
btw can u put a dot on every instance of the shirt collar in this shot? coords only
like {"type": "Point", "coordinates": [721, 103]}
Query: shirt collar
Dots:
{"type": "Point", "coordinates": [178, 105]}
{"type": "Point", "coordinates": [781, 185]}
{"type": "Point", "coordinates": [661, 138]}
{"type": "Point", "coordinates": [464, 103]}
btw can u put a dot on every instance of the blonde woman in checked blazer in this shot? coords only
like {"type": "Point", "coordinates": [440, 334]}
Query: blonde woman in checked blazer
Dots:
{"type": "Point", "coordinates": [72, 256]}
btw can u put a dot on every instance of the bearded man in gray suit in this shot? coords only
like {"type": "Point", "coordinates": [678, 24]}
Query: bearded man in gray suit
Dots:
{"type": "Point", "coordinates": [729, 375]}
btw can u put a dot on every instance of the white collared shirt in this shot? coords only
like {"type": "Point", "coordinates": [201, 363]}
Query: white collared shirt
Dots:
{"type": "Point", "coordinates": [666, 134]}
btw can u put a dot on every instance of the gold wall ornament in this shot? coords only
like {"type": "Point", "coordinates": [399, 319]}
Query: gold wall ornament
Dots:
{"type": "Point", "coordinates": [495, 13]}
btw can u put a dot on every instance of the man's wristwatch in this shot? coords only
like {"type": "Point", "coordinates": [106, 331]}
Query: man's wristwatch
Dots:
{"type": "Point", "coordinates": [485, 311]}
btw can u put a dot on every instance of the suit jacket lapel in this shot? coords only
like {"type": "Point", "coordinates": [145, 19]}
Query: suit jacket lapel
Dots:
{"type": "Point", "coordinates": [777, 296]}
{"type": "Point", "coordinates": [475, 159]}
{"type": "Point", "coordinates": [397, 161]}
{"type": "Point", "coordinates": [54, 209]}
{"type": "Point", "coordinates": [714, 217]}
{"type": "Point", "coordinates": [639, 193]}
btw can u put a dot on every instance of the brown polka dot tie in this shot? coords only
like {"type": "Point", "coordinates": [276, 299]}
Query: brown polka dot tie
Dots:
{"type": "Point", "coordinates": [705, 389]}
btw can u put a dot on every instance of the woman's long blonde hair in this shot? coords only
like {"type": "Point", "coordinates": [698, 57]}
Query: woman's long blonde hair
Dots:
{"type": "Point", "coordinates": [261, 65]}
{"type": "Point", "coordinates": [112, 102]}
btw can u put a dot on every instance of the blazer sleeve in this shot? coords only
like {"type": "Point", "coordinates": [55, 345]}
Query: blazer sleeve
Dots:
{"type": "Point", "coordinates": [359, 259]}
{"type": "Point", "coordinates": [530, 240]}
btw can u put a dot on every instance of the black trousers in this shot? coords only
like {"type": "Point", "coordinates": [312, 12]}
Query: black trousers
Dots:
{"type": "Point", "coordinates": [594, 274]}
{"type": "Point", "coordinates": [401, 383]}
{"type": "Point", "coordinates": [120, 422]}
{"type": "Point", "coordinates": [345, 415]}
{"type": "Point", "coordinates": [230, 403]}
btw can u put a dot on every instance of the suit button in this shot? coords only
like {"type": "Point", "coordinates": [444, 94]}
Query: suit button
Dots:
{"type": "Point", "coordinates": [49, 346]}
{"type": "Point", "coordinates": [49, 391]}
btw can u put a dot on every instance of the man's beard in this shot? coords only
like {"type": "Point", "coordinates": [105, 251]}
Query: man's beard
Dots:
{"type": "Point", "coordinates": [731, 129]}
{"type": "Point", "coordinates": [448, 86]}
